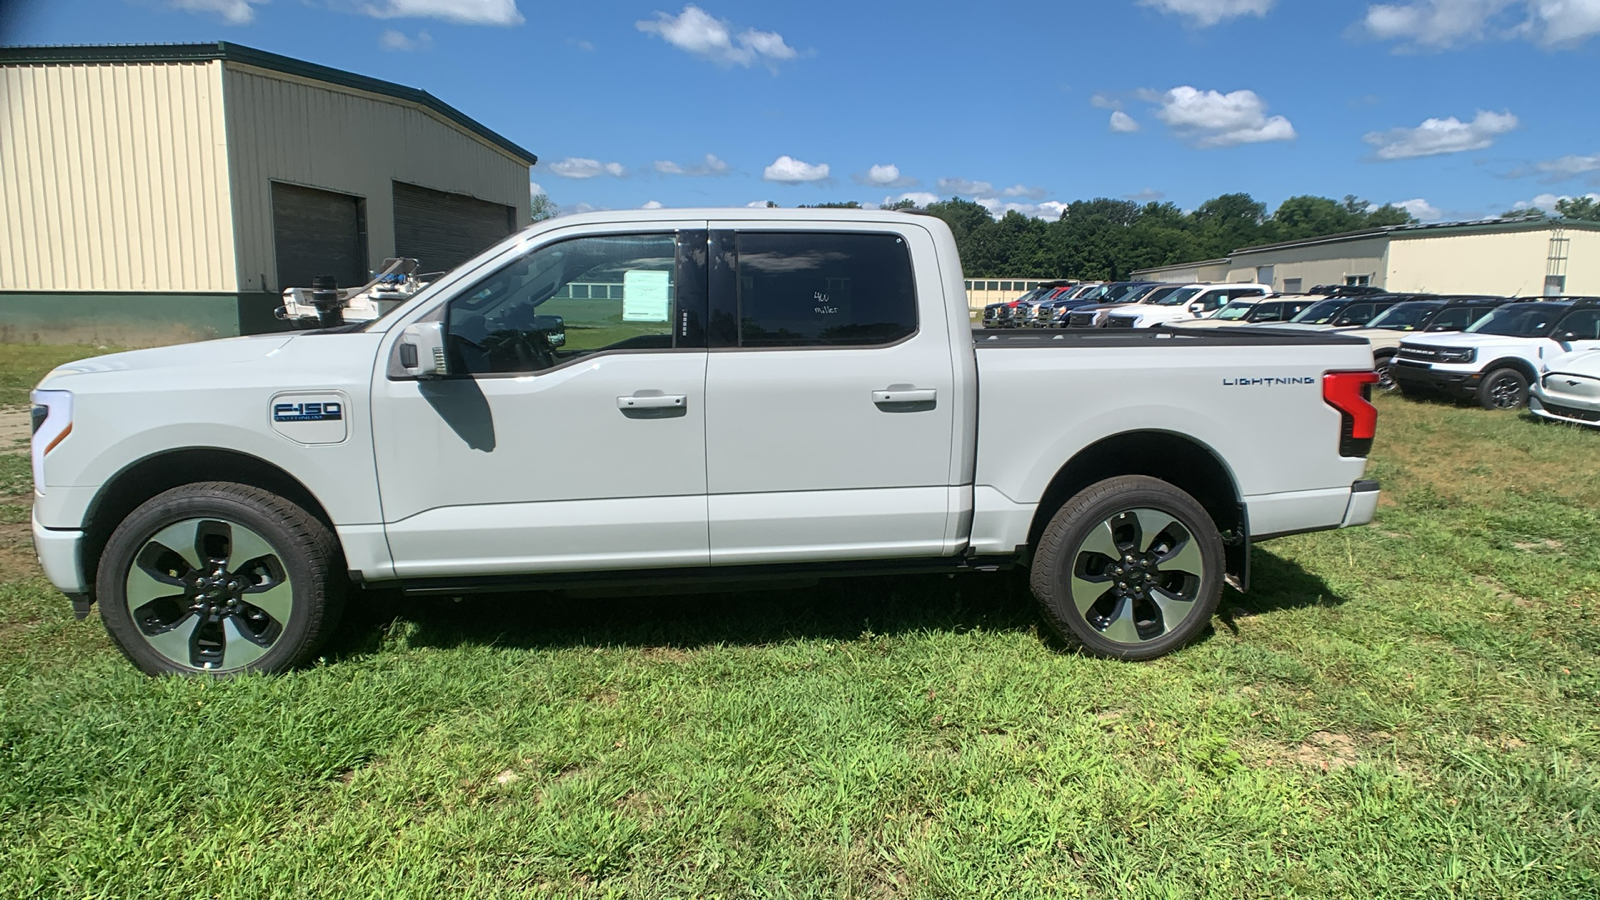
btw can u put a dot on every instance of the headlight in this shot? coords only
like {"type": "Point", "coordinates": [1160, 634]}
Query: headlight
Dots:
{"type": "Point", "coordinates": [52, 422]}
{"type": "Point", "coordinates": [1467, 355]}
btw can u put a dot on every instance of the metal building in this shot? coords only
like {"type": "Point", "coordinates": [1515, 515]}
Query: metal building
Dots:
{"type": "Point", "coordinates": [1523, 258]}
{"type": "Point", "coordinates": [162, 193]}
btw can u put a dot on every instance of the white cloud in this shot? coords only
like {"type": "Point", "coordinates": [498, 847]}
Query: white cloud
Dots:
{"type": "Point", "coordinates": [788, 170]}
{"type": "Point", "coordinates": [234, 12]}
{"type": "Point", "coordinates": [711, 165]}
{"type": "Point", "coordinates": [651, 204]}
{"type": "Point", "coordinates": [535, 189]}
{"type": "Point", "coordinates": [1206, 13]}
{"type": "Point", "coordinates": [1569, 166]}
{"type": "Point", "coordinates": [585, 46]}
{"type": "Point", "coordinates": [920, 198]}
{"type": "Point", "coordinates": [1049, 209]}
{"type": "Point", "coordinates": [1436, 136]}
{"type": "Point", "coordinates": [1105, 101]}
{"type": "Point", "coordinates": [1420, 208]}
{"type": "Point", "coordinates": [701, 34]}
{"type": "Point", "coordinates": [1213, 119]}
{"type": "Point", "coordinates": [1437, 24]}
{"type": "Point", "coordinates": [1122, 123]}
{"type": "Point", "coordinates": [578, 167]}
{"type": "Point", "coordinates": [1022, 190]}
{"type": "Point", "coordinates": [963, 186]}
{"type": "Point", "coordinates": [885, 175]}
{"type": "Point", "coordinates": [399, 40]}
{"type": "Point", "coordinates": [1547, 202]}
{"type": "Point", "coordinates": [581, 208]}
{"type": "Point", "coordinates": [466, 12]}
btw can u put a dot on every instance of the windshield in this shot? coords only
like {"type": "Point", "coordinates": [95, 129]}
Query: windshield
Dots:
{"type": "Point", "coordinates": [1179, 296]}
{"type": "Point", "coordinates": [1031, 295]}
{"type": "Point", "coordinates": [1322, 312]}
{"type": "Point", "coordinates": [1118, 293]}
{"type": "Point", "coordinates": [1141, 294]}
{"type": "Point", "coordinates": [1156, 295]}
{"type": "Point", "coordinates": [1405, 316]}
{"type": "Point", "coordinates": [1238, 309]}
{"type": "Point", "coordinates": [1520, 320]}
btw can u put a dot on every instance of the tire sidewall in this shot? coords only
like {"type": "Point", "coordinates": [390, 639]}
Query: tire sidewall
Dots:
{"type": "Point", "coordinates": [194, 502]}
{"type": "Point", "coordinates": [1486, 389]}
{"type": "Point", "coordinates": [1085, 513]}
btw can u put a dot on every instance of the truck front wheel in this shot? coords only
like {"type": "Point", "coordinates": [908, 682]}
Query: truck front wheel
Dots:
{"type": "Point", "coordinates": [1131, 568]}
{"type": "Point", "coordinates": [219, 578]}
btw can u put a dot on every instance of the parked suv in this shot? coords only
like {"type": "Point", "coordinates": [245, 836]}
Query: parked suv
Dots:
{"type": "Point", "coordinates": [1195, 301]}
{"type": "Point", "coordinates": [1388, 328]}
{"type": "Point", "coordinates": [1495, 359]}
{"type": "Point", "coordinates": [1349, 312]}
{"type": "Point", "coordinates": [1569, 389]}
{"type": "Point", "coordinates": [1250, 310]}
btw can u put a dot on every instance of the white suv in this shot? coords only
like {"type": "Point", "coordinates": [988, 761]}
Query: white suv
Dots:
{"type": "Point", "coordinates": [1195, 301]}
{"type": "Point", "coordinates": [1498, 356]}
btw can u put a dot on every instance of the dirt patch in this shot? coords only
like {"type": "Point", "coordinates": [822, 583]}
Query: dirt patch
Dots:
{"type": "Point", "coordinates": [1325, 750]}
{"type": "Point", "coordinates": [1501, 593]}
{"type": "Point", "coordinates": [17, 559]}
{"type": "Point", "coordinates": [1546, 544]}
{"type": "Point", "coordinates": [16, 427]}
{"type": "Point", "coordinates": [665, 654]}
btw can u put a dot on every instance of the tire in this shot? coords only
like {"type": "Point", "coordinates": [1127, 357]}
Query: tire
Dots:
{"type": "Point", "coordinates": [1173, 577]}
{"type": "Point", "coordinates": [1503, 389]}
{"type": "Point", "coordinates": [222, 579]}
{"type": "Point", "coordinates": [1386, 382]}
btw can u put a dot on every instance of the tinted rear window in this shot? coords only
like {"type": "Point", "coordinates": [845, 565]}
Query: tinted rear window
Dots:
{"type": "Point", "coordinates": [817, 289]}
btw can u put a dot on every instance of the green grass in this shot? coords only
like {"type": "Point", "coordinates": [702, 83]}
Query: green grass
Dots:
{"type": "Point", "coordinates": [1404, 710]}
{"type": "Point", "coordinates": [22, 365]}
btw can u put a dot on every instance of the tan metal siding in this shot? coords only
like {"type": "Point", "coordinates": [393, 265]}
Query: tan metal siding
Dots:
{"type": "Point", "coordinates": [283, 128]}
{"type": "Point", "coordinates": [114, 178]}
{"type": "Point", "coordinates": [1316, 264]}
{"type": "Point", "coordinates": [1504, 263]}
{"type": "Point", "coordinates": [1583, 262]}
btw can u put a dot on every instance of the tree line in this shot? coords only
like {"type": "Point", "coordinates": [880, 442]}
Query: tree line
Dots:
{"type": "Point", "coordinates": [1105, 239]}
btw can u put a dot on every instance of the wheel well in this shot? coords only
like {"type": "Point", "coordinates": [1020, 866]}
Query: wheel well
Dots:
{"type": "Point", "coordinates": [153, 475]}
{"type": "Point", "coordinates": [1177, 460]}
{"type": "Point", "coordinates": [1512, 362]}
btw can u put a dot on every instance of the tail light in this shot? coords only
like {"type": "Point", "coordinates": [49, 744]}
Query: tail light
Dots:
{"type": "Point", "coordinates": [1351, 394]}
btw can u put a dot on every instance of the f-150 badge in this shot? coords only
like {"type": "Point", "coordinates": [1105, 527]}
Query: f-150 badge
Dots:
{"type": "Point", "coordinates": [310, 417]}
{"type": "Point", "coordinates": [307, 412]}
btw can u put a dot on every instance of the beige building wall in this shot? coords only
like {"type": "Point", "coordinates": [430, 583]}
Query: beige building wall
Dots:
{"type": "Point", "coordinates": [1505, 263]}
{"type": "Point", "coordinates": [1185, 273]}
{"type": "Point", "coordinates": [1315, 264]}
{"type": "Point", "coordinates": [1583, 263]}
{"type": "Point", "coordinates": [114, 178]}
{"type": "Point", "coordinates": [276, 123]}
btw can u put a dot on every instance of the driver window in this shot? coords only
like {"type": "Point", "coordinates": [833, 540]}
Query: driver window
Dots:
{"type": "Point", "coordinates": [566, 300]}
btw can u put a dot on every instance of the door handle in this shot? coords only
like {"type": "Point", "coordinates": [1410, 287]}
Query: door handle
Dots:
{"type": "Point", "coordinates": [901, 395]}
{"type": "Point", "coordinates": [652, 400]}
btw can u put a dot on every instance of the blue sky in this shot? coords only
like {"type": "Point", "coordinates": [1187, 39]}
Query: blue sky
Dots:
{"type": "Point", "coordinates": [1459, 108]}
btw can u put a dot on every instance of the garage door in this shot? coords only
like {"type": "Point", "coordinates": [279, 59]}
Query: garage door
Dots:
{"type": "Point", "coordinates": [318, 233]}
{"type": "Point", "coordinates": [443, 230]}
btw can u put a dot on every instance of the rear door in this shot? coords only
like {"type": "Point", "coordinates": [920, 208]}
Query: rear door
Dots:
{"type": "Point", "coordinates": [830, 395]}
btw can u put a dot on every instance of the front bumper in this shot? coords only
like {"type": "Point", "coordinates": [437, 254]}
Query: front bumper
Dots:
{"type": "Point", "coordinates": [1425, 378]}
{"type": "Point", "coordinates": [1541, 406]}
{"type": "Point", "coordinates": [60, 552]}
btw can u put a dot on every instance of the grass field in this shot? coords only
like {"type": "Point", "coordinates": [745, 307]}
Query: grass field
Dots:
{"type": "Point", "coordinates": [1403, 710]}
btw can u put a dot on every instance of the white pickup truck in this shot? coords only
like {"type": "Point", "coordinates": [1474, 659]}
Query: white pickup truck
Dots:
{"type": "Point", "coordinates": [644, 398]}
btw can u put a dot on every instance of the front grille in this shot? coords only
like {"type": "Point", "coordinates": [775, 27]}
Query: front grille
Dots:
{"type": "Point", "coordinates": [1572, 412]}
{"type": "Point", "coordinates": [1081, 320]}
{"type": "Point", "coordinates": [1121, 322]}
{"type": "Point", "coordinates": [1411, 364]}
{"type": "Point", "coordinates": [1426, 354]}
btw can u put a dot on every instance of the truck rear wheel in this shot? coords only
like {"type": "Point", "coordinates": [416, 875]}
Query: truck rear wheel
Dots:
{"type": "Point", "coordinates": [219, 578]}
{"type": "Point", "coordinates": [1130, 568]}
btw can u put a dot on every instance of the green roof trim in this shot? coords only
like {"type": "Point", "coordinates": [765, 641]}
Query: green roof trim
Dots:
{"type": "Point", "coordinates": [261, 59]}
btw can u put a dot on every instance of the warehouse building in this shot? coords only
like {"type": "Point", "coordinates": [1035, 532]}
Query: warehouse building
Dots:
{"type": "Point", "coordinates": [163, 193]}
{"type": "Point", "coordinates": [1511, 258]}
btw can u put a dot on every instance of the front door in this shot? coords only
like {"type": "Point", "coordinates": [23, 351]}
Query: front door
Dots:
{"type": "Point", "coordinates": [570, 434]}
{"type": "Point", "coordinates": [830, 400]}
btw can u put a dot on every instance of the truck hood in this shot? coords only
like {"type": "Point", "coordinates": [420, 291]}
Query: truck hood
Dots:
{"type": "Point", "coordinates": [194, 358]}
{"type": "Point", "coordinates": [1157, 313]}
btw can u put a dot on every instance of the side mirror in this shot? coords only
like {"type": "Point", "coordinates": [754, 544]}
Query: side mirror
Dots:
{"type": "Point", "coordinates": [1567, 337]}
{"type": "Point", "coordinates": [422, 352]}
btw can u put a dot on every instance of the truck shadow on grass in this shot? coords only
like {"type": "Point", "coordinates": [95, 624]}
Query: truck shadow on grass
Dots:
{"type": "Point", "coordinates": [840, 609]}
